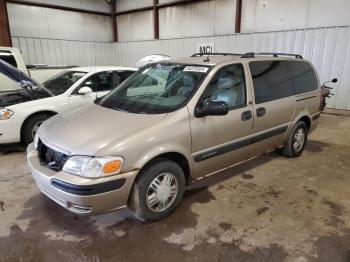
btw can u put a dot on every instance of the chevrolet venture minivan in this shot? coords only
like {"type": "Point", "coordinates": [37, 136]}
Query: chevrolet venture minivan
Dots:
{"type": "Point", "coordinates": [170, 124]}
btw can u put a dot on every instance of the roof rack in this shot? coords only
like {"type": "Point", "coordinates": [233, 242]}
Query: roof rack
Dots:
{"type": "Point", "coordinates": [252, 55]}
{"type": "Point", "coordinates": [213, 54]}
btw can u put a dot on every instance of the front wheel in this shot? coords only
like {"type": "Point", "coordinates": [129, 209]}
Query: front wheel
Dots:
{"type": "Point", "coordinates": [31, 126]}
{"type": "Point", "coordinates": [157, 191]}
{"type": "Point", "coordinates": [296, 142]}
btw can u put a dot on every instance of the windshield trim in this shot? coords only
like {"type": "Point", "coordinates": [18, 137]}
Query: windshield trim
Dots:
{"type": "Point", "coordinates": [184, 103]}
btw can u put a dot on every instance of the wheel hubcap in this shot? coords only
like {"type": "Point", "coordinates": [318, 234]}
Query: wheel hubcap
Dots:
{"type": "Point", "coordinates": [162, 192]}
{"type": "Point", "coordinates": [35, 128]}
{"type": "Point", "coordinates": [299, 139]}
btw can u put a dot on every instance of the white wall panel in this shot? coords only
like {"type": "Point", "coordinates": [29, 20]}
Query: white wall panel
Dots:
{"type": "Point", "coordinates": [41, 22]}
{"type": "Point", "coordinates": [327, 48]}
{"type": "Point", "coordinates": [136, 26]}
{"type": "Point", "coordinates": [270, 15]}
{"type": "Point", "coordinates": [199, 19]}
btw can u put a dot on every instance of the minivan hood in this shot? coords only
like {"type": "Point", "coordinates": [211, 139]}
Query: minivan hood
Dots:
{"type": "Point", "coordinates": [91, 128]}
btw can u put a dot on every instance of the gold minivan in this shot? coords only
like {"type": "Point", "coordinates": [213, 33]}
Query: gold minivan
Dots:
{"type": "Point", "coordinates": [172, 123]}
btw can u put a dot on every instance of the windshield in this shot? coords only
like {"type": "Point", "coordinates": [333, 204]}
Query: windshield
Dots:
{"type": "Point", "coordinates": [156, 89]}
{"type": "Point", "coordinates": [60, 83]}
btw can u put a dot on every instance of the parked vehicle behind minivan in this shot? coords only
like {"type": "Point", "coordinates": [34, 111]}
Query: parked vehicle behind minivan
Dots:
{"type": "Point", "coordinates": [173, 123]}
{"type": "Point", "coordinates": [25, 107]}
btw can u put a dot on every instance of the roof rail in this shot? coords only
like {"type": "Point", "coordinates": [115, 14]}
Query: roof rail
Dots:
{"type": "Point", "coordinates": [212, 54]}
{"type": "Point", "coordinates": [252, 55]}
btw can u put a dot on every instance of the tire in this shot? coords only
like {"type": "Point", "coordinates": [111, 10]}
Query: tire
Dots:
{"type": "Point", "coordinates": [30, 127]}
{"type": "Point", "coordinates": [152, 185]}
{"type": "Point", "coordinates": [293, 147]}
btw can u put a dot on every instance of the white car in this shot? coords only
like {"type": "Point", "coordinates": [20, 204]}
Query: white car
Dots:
{"type": "Point", "coordinates": [23, 110]}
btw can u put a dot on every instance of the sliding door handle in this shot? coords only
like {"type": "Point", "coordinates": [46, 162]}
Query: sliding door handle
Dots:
{"type": "Point", "coordinates": [246, 115]}
{"type": "Point", "coordinates": [261, 111]}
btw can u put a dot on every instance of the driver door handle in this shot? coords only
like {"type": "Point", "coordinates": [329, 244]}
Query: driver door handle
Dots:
{"type": "Point", "coordinates": [246, 115]}
{"type": "Point", "coordinates": [261, 111]}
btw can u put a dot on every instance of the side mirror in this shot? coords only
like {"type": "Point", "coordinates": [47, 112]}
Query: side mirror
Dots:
{"type": "Point", "coordinates": [334, 80]}
{"type": "Point", "coordinates": [85, 90]}
{"type": "Point", "coordinates": [211, 108]}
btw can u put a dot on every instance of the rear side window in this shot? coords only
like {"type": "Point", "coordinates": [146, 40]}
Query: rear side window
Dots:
{"type": "Point", "coordinates": [271, 80]}
{"type": "Point", "coordinates": [8, 58]}
{"type": "Point", "coordinates": [279, 79]}
{"type": "Point", "coordinates": [303, 77]}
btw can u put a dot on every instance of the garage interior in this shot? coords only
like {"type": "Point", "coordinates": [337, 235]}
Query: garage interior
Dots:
{"type": "Point", "coordinates": [270, 208]}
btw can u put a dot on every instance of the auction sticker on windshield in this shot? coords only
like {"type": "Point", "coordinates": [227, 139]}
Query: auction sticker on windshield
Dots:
{"type": "Point", "coordinates": [199, 69]}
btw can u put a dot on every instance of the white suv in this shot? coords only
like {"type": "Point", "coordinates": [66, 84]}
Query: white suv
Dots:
{"type": "Point", "coordinates": [23, 110]}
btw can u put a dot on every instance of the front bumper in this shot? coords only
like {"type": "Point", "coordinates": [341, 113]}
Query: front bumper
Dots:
{"type": "Point", "coordinates": [81, 195]}
{"type": "Point", "coordinates": [10, 131]}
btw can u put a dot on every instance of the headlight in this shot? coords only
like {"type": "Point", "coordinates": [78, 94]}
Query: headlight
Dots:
{"type": "Point", "coordinates": [36, 141]}
{"type": "Point", "coordinates": [5, 113]}
{"type": "Point", "coordinates": [93, 167]}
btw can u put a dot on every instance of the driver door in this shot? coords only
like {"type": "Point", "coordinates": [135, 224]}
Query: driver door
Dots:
{"type": "Point", "coordinates": [218, 141]}
{"type": "Point", "coordinates": [100, 83]}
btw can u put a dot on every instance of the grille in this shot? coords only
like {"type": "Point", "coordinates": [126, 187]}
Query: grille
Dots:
{"type": "Point", "coordinates": [51, 158]}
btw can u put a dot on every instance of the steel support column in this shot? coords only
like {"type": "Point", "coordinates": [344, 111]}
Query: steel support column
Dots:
{"type": "Point", "coordinates": [238, 16]}
{"type": "Point", "coordinates": [114, 21]}
{"type": "Point", "coordinates": [155, 19]}
{"type": "Point", "coordinates": [5, 35]}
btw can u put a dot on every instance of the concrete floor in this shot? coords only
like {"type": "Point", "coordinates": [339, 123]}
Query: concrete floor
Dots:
{"type": "Point", "coordinates": [270, 209]}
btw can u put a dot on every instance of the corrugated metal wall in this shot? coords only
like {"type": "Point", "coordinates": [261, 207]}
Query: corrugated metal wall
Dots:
{"type": "Point", "coordinates": [327, 48]}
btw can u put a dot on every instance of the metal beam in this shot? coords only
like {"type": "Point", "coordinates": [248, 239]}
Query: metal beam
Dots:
{"type": "Point", "coordinates": [155, 19]}
{"type": "Point", "coordinates": [58, 7]}
{"type": "Point", "coordinates": [136, 10]}
{"type": "Point", "coordinates": [5, 35]}
{"type": "Point", "coordinates": [238, 16]}
{"type": "Point", "coordinates": [150, 8]}
{"type": "Point", "coordinates": [181, 2]}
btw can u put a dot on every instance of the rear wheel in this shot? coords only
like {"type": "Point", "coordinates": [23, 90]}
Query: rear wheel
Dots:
{"type": "Point", "coordinates": [31, 126]}
{"type": "Point", "coordinates": [157, 191]}
{"type": "Point", "coordinates": [296, 142]}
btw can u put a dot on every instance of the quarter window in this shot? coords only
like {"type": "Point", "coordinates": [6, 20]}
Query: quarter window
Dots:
{"type": "Point", "coordinates": [303, 77]}
{"type": "Point", "coordinates": [228, 85]}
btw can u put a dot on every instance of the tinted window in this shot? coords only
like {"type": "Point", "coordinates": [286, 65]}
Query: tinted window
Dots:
{"type": "Point", "coordinates": [156, 88]}
{"type": "Point", "coordinates": [303, 77]}
{"type": "Point", "coordinates": [271, 80]}
{"type": "Point", "coordinates": [228, 85]}
{"type": "Point", "coordinates": [60, 83]}
{"type": "Point", "coordinates": [8, 58]}
{"type": "Point", "coordinates": [124, 75]}
{"type": "Point", "coordinates": [99, 82]}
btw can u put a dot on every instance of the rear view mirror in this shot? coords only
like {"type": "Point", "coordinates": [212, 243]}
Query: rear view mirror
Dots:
{"type": "Point", "coordinates": [212, 108]}
{"type": "Point", "coordinates": [85, 90]}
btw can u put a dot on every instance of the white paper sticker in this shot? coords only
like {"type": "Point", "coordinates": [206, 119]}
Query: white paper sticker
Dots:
{"type": "Point", "coordinates": [199, 69]}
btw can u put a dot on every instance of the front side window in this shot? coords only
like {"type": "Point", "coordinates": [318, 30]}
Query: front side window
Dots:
{"type": "Point", "coordinates": [157, 88]}
{"type": "Point", "coordinates": [60, 83]}
{"type": "Point", "coordinates": [99, 82]}
{"type": "Point", "coordinates": [228, 85]}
